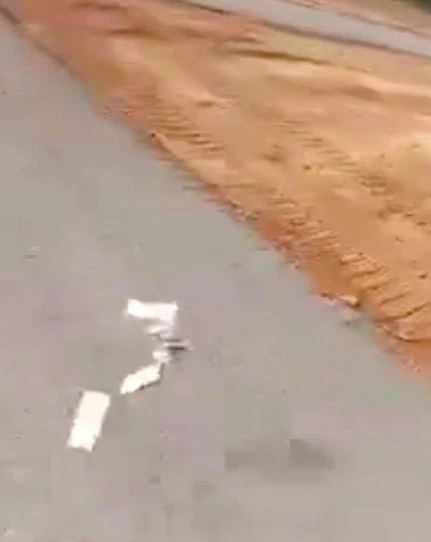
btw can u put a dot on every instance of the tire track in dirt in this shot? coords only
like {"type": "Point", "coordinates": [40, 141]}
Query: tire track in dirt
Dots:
{"type": "Point", "coordinates": [156, 104]}
{"type": "Point", "coordinates": [390, 301]}
{"type": "Point", "coordinates": [399, 309]}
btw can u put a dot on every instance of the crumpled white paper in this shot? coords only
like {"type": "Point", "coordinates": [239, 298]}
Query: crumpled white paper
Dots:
{"type": "Point", "coordinates": [160, 318]}
{"type": "Point", "coordinates": [141, 379]}
{"type": "Point", "coordinates": [159, 321]}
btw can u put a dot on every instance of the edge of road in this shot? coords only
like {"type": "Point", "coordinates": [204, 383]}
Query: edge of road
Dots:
{"type": "Point", "coordinates": [312, 29]}
{"type": "Point", "coordinates": [8, 13]}
{"type": "Point", "coordinates": [364, 18]}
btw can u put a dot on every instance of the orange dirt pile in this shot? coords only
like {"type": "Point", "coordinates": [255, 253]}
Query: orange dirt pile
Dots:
{"type": "Point", "coordinates": [324, 148]}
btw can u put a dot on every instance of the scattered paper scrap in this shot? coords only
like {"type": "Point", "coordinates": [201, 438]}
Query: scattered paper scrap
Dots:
{"type": "Point", "coordinates": [160, 316]}
{"type": "Point", "coordinates": [160, 323]}
{"type": "Point", "coordinates": [89, 419]}
{"type": "Point", "coordinates": [141, 379]}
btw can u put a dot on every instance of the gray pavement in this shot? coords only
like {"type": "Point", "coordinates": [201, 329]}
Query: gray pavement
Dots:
{"type": "Point", "coordinates": [327, 23]}
{"type": "Point", "coordinates": [282, 424]}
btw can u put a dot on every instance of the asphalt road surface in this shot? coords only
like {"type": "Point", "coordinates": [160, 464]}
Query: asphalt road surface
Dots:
{"type": "Point", "coordinates": [282, 424]}
{"type": "Point", "coordinates": [327, 23]}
